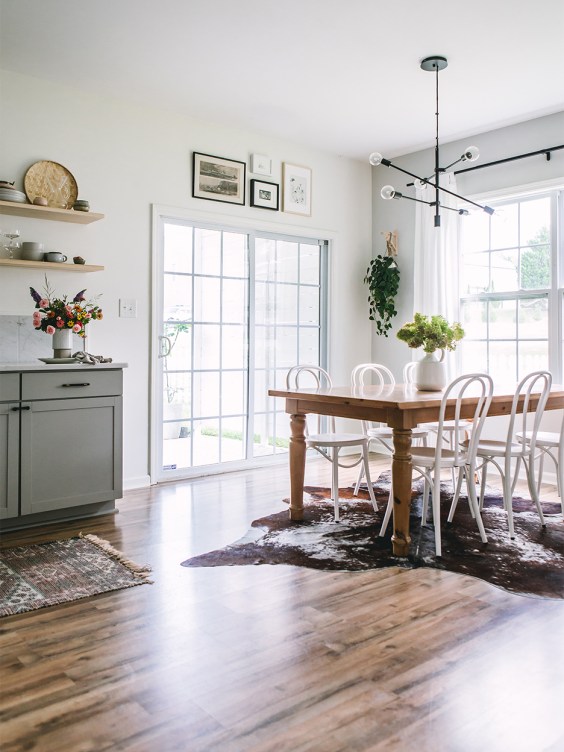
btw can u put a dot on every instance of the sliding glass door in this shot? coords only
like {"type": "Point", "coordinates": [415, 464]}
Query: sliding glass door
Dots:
{"type": "Point", "coordinates": [235, 311]}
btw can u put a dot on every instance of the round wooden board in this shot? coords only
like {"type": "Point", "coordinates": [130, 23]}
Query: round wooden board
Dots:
{"type": "Point", "coordinates": [51, 181]}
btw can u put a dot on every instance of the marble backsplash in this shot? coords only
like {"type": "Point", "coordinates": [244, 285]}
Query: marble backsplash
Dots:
{"type": "Point", "coordinates": [21, 343]}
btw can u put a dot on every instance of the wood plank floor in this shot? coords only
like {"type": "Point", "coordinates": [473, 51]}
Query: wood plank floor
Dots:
{"type": "Point", "coordinates": [265, 659]}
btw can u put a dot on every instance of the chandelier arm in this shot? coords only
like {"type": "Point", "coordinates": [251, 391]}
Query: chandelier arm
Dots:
{"type": "Point", "coordinates": [454, 209]}
{"type": "Point", "coordinates": [428, 203]}
{"type": "Point", "coordinates": [487, 209]}
{"type": "Point", "coordinates": [441, 170]}
{"type": "Point", "coordinates": [420, 200]}
{"type": "Point", "coordinates": [387, 163]}
{"type": "Point", "coordinates": [456, 161]}
{"type": "Point", "coordinates": [428, 182]}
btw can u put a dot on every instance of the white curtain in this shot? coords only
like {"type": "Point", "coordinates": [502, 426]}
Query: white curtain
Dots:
{"type": "Point", "coordinates": [436, 264]}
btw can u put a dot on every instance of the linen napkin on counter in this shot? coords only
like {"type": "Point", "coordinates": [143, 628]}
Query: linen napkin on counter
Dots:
{"type": "Point", "coordinates": [84, 357]}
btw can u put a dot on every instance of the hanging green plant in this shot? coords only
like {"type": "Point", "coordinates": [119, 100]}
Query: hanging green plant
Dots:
{"type": "Point", "coordinates": [382, 278]}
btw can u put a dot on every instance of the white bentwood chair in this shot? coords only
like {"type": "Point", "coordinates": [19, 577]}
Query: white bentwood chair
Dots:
{"type": "Point", "coordinates": [549, 443]}
{"type": "Point", "coordinates": [329, 444]}
{"type": "Point", "coordinates": [448, 432]}
{"type": "Point", "coordinates": [428, 462]}
{"type": "Point", "coordinates": [533, 387]}
{"type": "Point", "coordinates": [378, 375]}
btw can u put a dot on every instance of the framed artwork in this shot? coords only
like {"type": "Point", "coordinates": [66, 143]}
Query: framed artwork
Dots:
{"type": "Point", "coordinates": [264, 194]}
{"type": "Point", "coordinates": [261, 164]}
{"type": "Point", "coordinates": [218, 179]}
{"type": "Point", "coordinates": [296, 191]}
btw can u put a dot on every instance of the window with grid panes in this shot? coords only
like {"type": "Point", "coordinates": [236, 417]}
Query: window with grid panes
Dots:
{"type": "Point", "coordinates": [511, 303]}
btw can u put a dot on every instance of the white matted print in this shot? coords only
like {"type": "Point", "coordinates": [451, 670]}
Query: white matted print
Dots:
{"type": "Point", "coordinates": [296, 193]}
{"type": "Point", "coordinates": [218, 179]}
{"type": "Point", "coordinates": [264, 194]}
{"type": "Point", "coordinates": [261, 164]}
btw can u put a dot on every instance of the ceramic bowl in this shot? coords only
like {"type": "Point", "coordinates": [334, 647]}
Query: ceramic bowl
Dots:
{"type": "Point", "coordinates": [81, 205]}
{"type": "Point", "coordinates": [56, 256]}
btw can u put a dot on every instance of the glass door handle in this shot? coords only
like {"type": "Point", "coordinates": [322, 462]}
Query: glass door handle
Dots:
{"type": "Point", "coordinates": [166, 346]}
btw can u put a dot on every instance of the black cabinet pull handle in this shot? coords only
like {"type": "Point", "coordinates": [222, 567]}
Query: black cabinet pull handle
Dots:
{"type": "Point", "coordinates": [85, 384]}
{"type": "Point", "coordinates": [20, 408]}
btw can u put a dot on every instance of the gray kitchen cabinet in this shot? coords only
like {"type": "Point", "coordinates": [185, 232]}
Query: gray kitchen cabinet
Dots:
{"type": "Point", "coordinates": [9, 444]}
{"type": "Point", "coordinates": [66, 437]}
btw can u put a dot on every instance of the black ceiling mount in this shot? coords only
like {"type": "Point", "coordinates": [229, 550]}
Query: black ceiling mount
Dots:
{"type": "Point", "coordinates": [434, 63]}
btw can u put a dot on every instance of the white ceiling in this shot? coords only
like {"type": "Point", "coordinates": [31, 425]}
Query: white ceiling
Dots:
{"type": "Point", "coordinates": [341, 75]}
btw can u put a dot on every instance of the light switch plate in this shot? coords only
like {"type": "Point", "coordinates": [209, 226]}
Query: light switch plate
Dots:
{"type": "Point", "coordinates": [128, 308]}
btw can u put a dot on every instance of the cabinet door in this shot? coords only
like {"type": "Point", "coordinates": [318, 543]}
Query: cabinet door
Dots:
{"type": "Point", "coordinates": [71, 453]}
{"type": "Point", "coordinates": [9, 458]}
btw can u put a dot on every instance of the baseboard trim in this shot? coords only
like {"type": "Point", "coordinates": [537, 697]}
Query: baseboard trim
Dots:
{"type": "Point", "coordinates": [130, 484]}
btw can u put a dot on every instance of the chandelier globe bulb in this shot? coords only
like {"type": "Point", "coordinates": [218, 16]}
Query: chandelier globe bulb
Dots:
{"type": "Point", "coordinates": [387, 192]}
{"type": "Point", "coordinates": [471, 154]}
{"type": "Point", "coordinates": [375, 158]}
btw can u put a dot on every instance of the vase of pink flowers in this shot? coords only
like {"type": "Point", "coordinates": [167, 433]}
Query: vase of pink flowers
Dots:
{"type": "Point", "coordinates": [62, 343]}
{"type": "Point", "coordinates": [62, 317]}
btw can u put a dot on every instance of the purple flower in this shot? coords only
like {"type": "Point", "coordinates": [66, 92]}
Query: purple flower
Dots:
{"type": "Point", "coordinates": [35, 295]}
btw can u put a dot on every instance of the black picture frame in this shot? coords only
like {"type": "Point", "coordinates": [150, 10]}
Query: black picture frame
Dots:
{"type": "Point", "coordinates": [218, 178]}
{"type": "Point", "coordinates": [265, 195]}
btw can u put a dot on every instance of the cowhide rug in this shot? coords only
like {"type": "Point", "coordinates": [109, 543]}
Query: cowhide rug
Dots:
{"type": "Point", "coordinates": [532, 564]}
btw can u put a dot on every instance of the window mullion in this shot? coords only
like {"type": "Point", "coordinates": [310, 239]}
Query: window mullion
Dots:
{"type": "Point", "coordinates": [251, 318]}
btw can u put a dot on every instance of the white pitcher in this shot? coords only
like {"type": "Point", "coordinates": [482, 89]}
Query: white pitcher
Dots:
{"type": "Point", "coordinates": [430, 373]}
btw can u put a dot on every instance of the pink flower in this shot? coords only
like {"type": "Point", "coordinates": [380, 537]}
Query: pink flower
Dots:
{"type": "Point", "coordinates": [50, 329]}
{"type": "Point", "coordinates": [44, 303]}
{"type": "Point", "coordinates": [68, 309]}
{"type": "Point", "coordinates": [60, 323]}
{"type": "Point", "coordinates": [76, 328]}
{"type": "Point", "coordinates": [36, 318]}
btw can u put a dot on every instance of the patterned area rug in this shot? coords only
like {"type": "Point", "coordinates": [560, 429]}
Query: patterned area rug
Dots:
{"type": "Point", "coordinates": [532, 564]}
{"type": "Point", "coordinates": [46, 574]}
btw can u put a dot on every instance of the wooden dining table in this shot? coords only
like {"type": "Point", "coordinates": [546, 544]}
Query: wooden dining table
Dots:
{"type": "Point", "coordinates": [402, 408]}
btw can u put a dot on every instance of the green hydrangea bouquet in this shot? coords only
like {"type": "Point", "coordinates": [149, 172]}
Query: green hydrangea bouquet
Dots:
{"type": "Point", "coordinates": [431, 333]}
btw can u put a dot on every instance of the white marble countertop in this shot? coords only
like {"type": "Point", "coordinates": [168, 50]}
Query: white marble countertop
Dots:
{"type": "Point", "coordinates": [39, 366]}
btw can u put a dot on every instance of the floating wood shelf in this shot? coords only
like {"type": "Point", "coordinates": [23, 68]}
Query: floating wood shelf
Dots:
{"type": "Point", "coordinates": [51, 265]}
{"type": "Point", "coordinates": [48, 212]}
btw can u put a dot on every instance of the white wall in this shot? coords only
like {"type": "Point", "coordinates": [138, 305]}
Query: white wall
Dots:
{"type": "Point", "coordinates": [125, 159]}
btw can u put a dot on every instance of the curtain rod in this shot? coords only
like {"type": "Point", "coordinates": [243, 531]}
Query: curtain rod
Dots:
{"type": "Point", "coordinates": [546, 152]}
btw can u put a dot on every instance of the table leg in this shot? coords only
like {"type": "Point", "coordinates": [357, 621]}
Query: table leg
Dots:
{"type": "Point", "coordinates": [297, 465]}
{"type": "Point", "coordinates": [401, 482]}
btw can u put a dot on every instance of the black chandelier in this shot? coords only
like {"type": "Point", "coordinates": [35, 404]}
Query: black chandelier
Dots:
{"type": "Point", "coordinates": [471, 153]}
